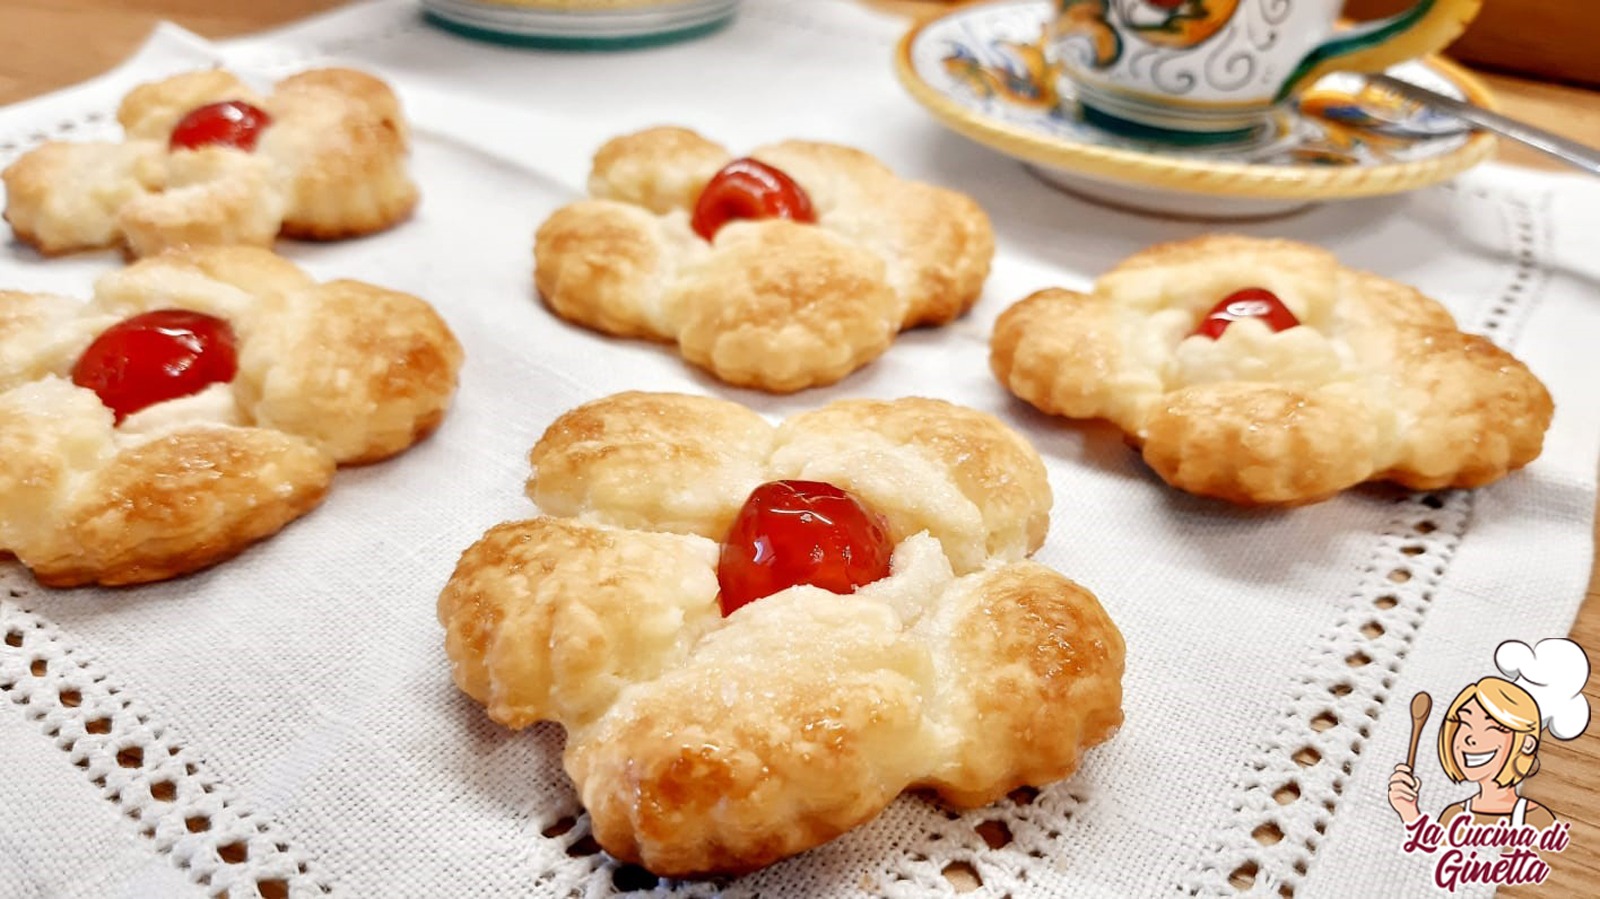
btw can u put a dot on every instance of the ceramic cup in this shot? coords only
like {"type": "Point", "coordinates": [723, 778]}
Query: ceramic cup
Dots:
{"type": "Point", "coordinates": [1210, 71]}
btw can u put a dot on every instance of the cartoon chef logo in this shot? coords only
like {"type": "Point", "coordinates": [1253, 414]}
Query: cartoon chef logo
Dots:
{"type": "Point", "coordinates": [1490, 737]}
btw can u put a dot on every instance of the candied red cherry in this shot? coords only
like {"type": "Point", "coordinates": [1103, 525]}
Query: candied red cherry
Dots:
{"type": "Point", "coordinates": [157, 356]}
{"type": "Point", "coordinates": [1252, 302]}
{"type": "Point", "coordinates": [748, 189]}
{"type": "Point", "coordinates": [801, 532]}
{"type": "Point", "coordinates": [233, 123]}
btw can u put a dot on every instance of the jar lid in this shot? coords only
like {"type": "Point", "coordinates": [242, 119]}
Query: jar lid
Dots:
{"type": "Point", "coordinates": [580, 25]}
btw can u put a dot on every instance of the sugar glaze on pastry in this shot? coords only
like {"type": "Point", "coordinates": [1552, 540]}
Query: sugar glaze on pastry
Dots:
{"type": "Point", "coordinates": [701, 743]}
{"type": "Point", "coordinates": [1376, 383]}
{"type": "Point", "coordinates": [327, 374]}
{"type": "Point", "coordinates": [768, 303]}
{"type": "Point", "coordinates": [330, 163]}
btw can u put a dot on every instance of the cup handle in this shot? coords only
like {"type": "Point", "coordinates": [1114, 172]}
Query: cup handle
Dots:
{"type": "Point", "coordinates": [1374, 46]}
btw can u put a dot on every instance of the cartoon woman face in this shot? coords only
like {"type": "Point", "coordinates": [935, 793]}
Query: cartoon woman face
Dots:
{"type": "Point", "coordinates": [1491, 731]}
{"type": "Point", "coordinates": [1483, 745]}
{"type": "Point", "coordinates": [1490, 734]}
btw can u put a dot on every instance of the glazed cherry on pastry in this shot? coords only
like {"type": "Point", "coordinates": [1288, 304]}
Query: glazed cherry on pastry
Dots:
{"type": "Point", "coordinates": [233, 123]}
{"type": "Point", "coordinates": [801, 532]}
{"type": "Point", "coordinates": [748, 189]}
{"type": "Point", "coordinates": [1252, 302]}
{"type": "Point", "coordinates": [157, 356]}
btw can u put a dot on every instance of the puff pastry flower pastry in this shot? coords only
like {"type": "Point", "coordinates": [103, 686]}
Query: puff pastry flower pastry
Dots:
{"type": "Point", "coordinates": [787, 269]}
{"type": "Point", "coordinates": [718, 720]}
{"type": "Point", "coordinates": [198, 403]}
{"type": "Point", "coordinates": [208, 161]}
{"type": "Point", "coordinates": [1264, 372]}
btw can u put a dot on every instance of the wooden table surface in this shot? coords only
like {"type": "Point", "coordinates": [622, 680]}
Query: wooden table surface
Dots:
{"type": "Point", "coordinates": [47, 44]}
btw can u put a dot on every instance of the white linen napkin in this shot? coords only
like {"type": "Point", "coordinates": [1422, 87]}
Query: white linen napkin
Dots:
{"type": "Point", "coordinates": [294, 704]}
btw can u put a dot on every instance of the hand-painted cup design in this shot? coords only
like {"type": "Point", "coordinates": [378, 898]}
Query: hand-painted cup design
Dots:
{"type": "Point", "coordinates": [1202, 71]}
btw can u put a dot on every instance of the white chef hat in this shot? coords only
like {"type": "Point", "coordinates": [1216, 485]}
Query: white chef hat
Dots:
{"type": "Point", "coordinates": [1553, 672]}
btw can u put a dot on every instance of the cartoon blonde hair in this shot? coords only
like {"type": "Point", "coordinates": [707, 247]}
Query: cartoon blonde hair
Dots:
{"type": "Point", "coordinates": [1509, 706]}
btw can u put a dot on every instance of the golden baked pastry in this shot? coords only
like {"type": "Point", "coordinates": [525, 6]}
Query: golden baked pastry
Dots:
{"type": "Point", "coordinates": [713, 732]}
{"type": "Point", "coordinates": [676, 246]}
{"type": "Point", "coordinates": [1187, 348]}
{"type": "Point", "coordinates": [208, 161]}
{"type": "Point", "coordinates": [113, 473]}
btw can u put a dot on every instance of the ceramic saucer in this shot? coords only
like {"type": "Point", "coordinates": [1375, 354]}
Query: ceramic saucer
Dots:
{"type": "Point", "coordinates": [983, 71]}
{"type": "Point", "coordinates": [530, 24]}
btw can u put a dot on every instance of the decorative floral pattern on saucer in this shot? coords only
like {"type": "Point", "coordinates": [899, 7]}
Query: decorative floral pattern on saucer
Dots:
{"type": "Point", "coordinates": [579, 25]}
{"type": "Point", "coordinates": [984, 71]}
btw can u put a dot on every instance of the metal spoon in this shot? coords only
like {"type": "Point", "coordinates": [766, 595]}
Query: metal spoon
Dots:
{"type": "Point", "coordinates": [1568, 151]}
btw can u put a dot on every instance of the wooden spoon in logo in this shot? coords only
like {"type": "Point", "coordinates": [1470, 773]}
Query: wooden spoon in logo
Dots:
{"type": "Point", "coordinates": [1421, 705]}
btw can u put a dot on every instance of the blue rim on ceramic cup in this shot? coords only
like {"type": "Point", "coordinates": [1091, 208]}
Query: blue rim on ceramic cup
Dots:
{"type": "Point", "coordinates": [1214, 71]}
